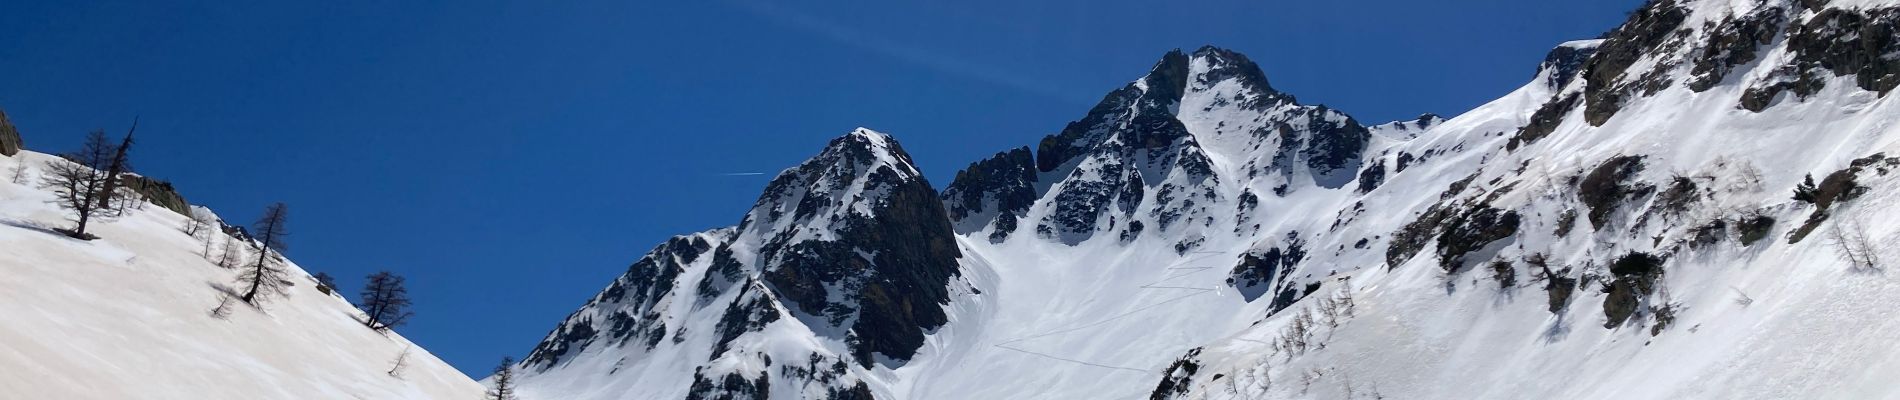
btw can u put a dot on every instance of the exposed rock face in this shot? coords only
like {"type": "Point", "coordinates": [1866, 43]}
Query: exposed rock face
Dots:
{"type": "Point", "coordinates": [1834, 42]}
{"type": "Point", "coordinates": [1372, 176]}
{"type": "Point", "coordinates": [1106, 159]}
{"type": "Point", "coordinates": [730, 387]}
{"type": "Point", "coordinates": [1544, 121]}
{"type": "Point", "coordinates": [1153, 96]}
{"type": "Point", "coordinates": [1458, 227]}
{"type": "Point", "coordinates": [1734, 42]}
{"type": "Point", "coordinates": [995, 192]}
{"type": "Point", "coordinates": [1175, 380]}
{"type": "Point", "coordinates": [1264, 272]}
{"type": "Point", "coordinates": [157, 192]}
{"type": "Point", "coordinates": [9, 137]}
{"type": "Point", "coordinates": [630, 309]}
{"type": "Point", "coordinates": [1563, 63]}
{"type": "Point", "coordinates": [1331, 149]}
{"type": "Point", "coordinates": [1607, 76]}
{"type": "Point", "coordinates": [1609, 185]}
{"type": "Point", "coordinates": [1560, 68]}
{"type": "Point", "coordinates": [865, 245]}
{"type": "Point", "coordinates": [1634, 277]}
{"type": "Point", "coordinates": [1132, 165]}
{"type": "Point", "coordinates": [1862, 43]}
{"type": "Point", "coordinates": [852, 245]}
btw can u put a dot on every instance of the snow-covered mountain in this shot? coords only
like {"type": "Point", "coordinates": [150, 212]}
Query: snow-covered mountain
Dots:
{"type": "Point", "coordinates": [1620, 226]}
{"type": "Point", "coordinates": [129, 315]}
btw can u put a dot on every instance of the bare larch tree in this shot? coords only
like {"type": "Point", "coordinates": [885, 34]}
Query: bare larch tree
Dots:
{"type": "Point", "coordinates": [504, 381]}
{"type": "Point", "coordinates": [79, 181]}
{"type": "Point", "coordinates": [117, 166]}
{"type": "Point", "coordinates": [265, 277]}
{"type": "Point", "coordinates": [385, 301]}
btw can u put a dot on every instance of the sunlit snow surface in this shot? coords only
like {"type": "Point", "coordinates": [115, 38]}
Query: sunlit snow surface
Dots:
{"type": "Point", "coordinates": [128, 316]}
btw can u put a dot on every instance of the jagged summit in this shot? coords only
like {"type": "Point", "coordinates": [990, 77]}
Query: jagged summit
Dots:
{"type": "Point", "coordinates": [878, 145]}
{"type": "Point", "coordinates": [842, 266]}
{"type": "Point", "coordinates": [1215, 64]}
{"type": "Point", "coordinates": [1195, 122]}
{"type": "Point", "coordinates": [854, 174]}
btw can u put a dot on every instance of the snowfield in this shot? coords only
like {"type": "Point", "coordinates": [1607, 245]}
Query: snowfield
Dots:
{"type": "Point", "coordinates": [127, 316]}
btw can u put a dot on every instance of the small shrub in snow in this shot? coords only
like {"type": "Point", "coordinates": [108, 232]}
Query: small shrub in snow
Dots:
{"type": "Point", "coordinates": [223, 310]}
{"type": "Point", "coordinates": [1681, 193]}
{"type": "Point", "coordinates": [19, 176]}
{"type": "Point", "coordinates": [1804, 191]}
{"type": "Point", "coordinates": [1502, 272]}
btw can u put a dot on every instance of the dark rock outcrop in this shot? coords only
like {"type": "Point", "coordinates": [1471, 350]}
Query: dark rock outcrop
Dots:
{"type": "Point", "coordinates": [1633, 277]}
{"type": "Point", "coordinates": [632, 304]}
{"type": "Point", "coordinates": [1605, 188]}
{"type": "Point", "coordinates": [1003, 185]}
{"type": "Point", "coordinates": [1371, 177]}
{"type": "Point", "coordinates": [1839, 42]}
{"type": "Point", "coordinates": [9, 137]}
{"type": "Point", "coordinates": [1333, 150]}
{"type": "Point", "coordinates": [1459, 227]}
{"type": "Point", "coordinates": [750, 313]}
{"type": "Point", "coordinates": [157, 192]}
{"type": "Point", "coordinates": [1607, 78]}
{"type": "Point", "coordinates": [1733, 42]}
{"type": "Point", "coordinates": [1152, 97]}
{"type": "Point", "coordinates": [1176, 379]}
{"type": "Point", "coordinates": [1563, 63]}
{"type": "Point", "coordinates": [883, 274]}
{"type": "Point", "coordinates": [1259, 272]}
{"type": "Point", "coordinates": [1839, 186]}
{"type": "Point", "coordinates": [729, 387]}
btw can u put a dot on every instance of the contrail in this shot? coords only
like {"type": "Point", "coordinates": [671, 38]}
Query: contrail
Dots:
{"type": "Point", "coordinates": [742, 174]}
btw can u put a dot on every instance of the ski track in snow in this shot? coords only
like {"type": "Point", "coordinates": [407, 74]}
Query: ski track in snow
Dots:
{"type": "Point", "coordinates": [1007, 344]}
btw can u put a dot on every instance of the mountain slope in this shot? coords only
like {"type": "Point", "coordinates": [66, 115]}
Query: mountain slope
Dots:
{"type": "Point", "coordinates": [1618, 226]}
{"type": "Point", "coordinates": [840, 268]}
{"type": "Point", "coordinates": [128, 316]}
{"type": "Point", "coordinates": [1624, 233]}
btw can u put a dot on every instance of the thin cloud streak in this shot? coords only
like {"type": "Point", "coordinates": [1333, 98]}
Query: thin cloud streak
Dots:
{"type": "Point", "coordinates": [876, 43]}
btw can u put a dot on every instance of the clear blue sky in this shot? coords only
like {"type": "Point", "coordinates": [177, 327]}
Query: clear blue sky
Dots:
{"type": "Point", "coordinates": [511, 159]}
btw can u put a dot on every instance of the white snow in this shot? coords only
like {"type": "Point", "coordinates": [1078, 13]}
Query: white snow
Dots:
{"type": "Point", "coordinates": [127, 316]}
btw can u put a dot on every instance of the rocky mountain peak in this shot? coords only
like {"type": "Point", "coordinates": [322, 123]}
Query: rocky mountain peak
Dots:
{"type": "Point", "coordinates": [1214, 64]}
{"type": "Point", "coordinates": [856, 241]}
{"type": "Point", "coordinates": [1563, 63]}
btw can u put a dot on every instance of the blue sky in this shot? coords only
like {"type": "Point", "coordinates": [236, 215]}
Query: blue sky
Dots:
{"type": "Point", "coordinates": [511, 158]}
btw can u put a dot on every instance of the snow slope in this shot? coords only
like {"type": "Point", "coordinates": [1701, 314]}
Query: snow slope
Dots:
{"type": "Point", "coordinates": [128, 316]}
{"type": "Point", "coordinates": [1620, 226]}
{"type": "Point", "coordinates": [1769, 319]}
